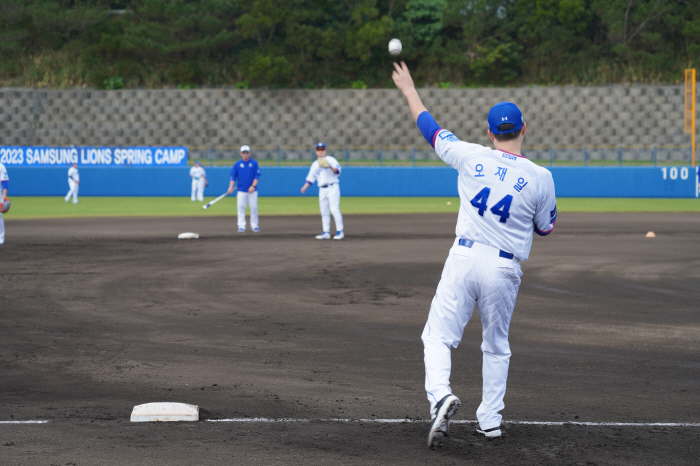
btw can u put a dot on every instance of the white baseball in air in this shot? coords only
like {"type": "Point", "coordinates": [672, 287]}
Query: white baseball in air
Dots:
{"type": "Point", "coordinates": [394, 47]}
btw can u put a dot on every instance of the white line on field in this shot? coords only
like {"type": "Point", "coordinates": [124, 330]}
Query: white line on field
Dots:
{"type": "Point", "coordinates": [419, 421]}
{"type": "Point", "coordinates": [400, 421]}
{"type": "Point", "coordinates": [23, 422]}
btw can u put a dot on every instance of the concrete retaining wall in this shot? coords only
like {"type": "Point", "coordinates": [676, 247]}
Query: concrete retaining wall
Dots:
{"type": "Point", "coordinates": [563, 116]}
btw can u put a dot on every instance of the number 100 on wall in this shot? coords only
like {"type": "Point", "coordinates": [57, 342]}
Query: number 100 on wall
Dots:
{"type": "Point", "coordinates": [671, 173]}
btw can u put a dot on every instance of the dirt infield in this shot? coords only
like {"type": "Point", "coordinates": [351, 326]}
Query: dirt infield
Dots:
{"type": "Point", "coordinates": [98, 315]}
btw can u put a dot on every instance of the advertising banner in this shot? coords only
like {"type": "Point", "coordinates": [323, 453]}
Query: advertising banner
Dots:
{"type": "Point", "coordinates": [126, 180]}
{"type": "Point", "coordinates": [30, 156]}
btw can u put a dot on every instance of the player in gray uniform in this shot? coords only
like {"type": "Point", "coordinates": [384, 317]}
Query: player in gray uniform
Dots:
{"type": "Point", "coordinates": [504, 199]}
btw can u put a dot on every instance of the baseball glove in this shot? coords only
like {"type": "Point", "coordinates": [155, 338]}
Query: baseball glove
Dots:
{"type": "Point", "coordinates": [323, 163]}
{"type": "Point", "coordinates": [5, 205]}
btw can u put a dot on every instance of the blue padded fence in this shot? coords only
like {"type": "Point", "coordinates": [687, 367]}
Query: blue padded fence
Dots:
{"type": "Point", "coordinates": [671, 181]}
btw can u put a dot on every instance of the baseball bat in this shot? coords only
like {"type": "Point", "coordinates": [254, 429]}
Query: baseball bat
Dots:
{"type": "Point", "coordinates": [217, 200]}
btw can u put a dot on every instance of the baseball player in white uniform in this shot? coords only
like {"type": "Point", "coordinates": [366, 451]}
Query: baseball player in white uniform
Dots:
{"type": "Point", "coordinates": [73, 183]}
{"type": "Point", "coordinates": [504, 199]}
{"type": "Point", "coordinates": [199, 181]}
{"type": "Point", "coordinates": [326, 170]}
{"type": "Point", "coordinates": [4, 186]}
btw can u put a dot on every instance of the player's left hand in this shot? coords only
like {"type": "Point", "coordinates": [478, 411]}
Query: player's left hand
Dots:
{"type": "Point", "coordinates": [251, 189]}
{"type": "Point", "coordinates": [402, 78]}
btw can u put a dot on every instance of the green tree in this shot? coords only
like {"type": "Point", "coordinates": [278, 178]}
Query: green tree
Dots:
{"type": "Point", "coordinates": [174, 37]}
{"type": "Point", "coordinates": [332, 43]}
{"type": "Point", "coordinates": [480, 40]}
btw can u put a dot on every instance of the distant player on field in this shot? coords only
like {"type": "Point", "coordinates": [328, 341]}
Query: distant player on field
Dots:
{"type": "Point", "coordinates": [504, 199]}
{"type": "Point", "coordinates": [326, 171]}
{"type": "Point", "coordinates": [4, 186]}
{"type": "Point", "coordinates": [199, 181]}
{"type": "Point", "coordinates": [73, 183]}
{"type": "Point", "coordinates": [247, 172]}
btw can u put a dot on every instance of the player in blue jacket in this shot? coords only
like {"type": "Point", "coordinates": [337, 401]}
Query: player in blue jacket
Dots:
{"type": "Point", "coordinates": [247, 173]}
{"type": "Point", "coordinates": [504, 199]}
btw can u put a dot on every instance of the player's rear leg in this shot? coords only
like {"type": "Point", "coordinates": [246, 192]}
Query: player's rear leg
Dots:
{"type": "Point", "coordinates": [242, 202]}
{"type": "Point", "coordinates": [450, 311]}
{"type": "Point", "coordinates": [253, 203]}
{"type": "Point", "coordinates": [499, 292]}
{"type": "Point", "coordinates": [324, 206]}
{"type": "Point", "coordinates": [334, 204]}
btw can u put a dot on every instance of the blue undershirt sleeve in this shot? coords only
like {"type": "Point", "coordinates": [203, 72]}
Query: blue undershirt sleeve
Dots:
{"type": "Point", "coordinates": [428, 126]}
{"type": "Point", "coordinates": [5, 185]}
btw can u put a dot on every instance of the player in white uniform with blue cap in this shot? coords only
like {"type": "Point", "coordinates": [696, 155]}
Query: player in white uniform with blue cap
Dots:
{"type": "Point", "coordinates": [247, 172]}
{"type": "Point", "coordinates": [199, 181]}
{"type": "Point", "coordinates": [504, 199]}
{"type": "Point", "coordinates": [4, 186]}
{"type": "Point", "coordinates": [73, 183]}
{"type": "Point", "coordinates": [326, 171]}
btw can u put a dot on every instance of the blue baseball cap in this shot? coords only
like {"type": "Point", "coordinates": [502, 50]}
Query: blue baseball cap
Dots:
{"type": "Point", "coordinates": [505, 112]}
{"type": "Point", "coordinates": [320, 145]}
{"type": "Point", "coordinates": [196, 162]}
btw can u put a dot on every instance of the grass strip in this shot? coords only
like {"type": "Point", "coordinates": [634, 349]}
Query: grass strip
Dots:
{"type": "Point", "coordinates": [55, 207]}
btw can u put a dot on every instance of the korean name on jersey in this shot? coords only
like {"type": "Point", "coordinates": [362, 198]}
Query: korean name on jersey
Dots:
{"type": "Point", "coordinates": [510, 197]}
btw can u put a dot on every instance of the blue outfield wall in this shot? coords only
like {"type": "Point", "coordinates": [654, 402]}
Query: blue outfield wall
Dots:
{"type": "Point", "coordinates": [355, 181]}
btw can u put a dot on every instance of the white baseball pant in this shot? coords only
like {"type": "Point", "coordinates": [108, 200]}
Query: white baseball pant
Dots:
{"type": "Point", "coordinates": [329, 202]}
{"type": "Point", "coordinates": [73, 191]}
{"type": "Point", "coordinates": [250, 199]}
{"type": "Point", "coordinates": [2, 230]}
{"type": "Point", "coordinates": [198, 189]}
{"type": "Point", "coordinates": [475, 275]}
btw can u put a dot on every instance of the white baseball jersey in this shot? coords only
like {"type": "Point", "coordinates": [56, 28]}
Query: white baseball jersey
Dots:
{"type": "Point", "coordinates": [198, 172]}
{"type": "Point", "coordinates": [73, 174]}
{"type": "Point", "coordinates": [3, 179]}
{"type": "Point", "coordinates": [324, 176]}
{"type": "Point", "coordinates": [504, 197]}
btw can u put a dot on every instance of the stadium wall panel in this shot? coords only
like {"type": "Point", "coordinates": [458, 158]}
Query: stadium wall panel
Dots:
{"type": "Point", "coordinates": [634, 115]}
{"type": "Point", "coordinates": [355, 181]}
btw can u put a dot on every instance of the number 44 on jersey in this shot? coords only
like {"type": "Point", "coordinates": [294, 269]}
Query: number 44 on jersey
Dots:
{"type": "Point", "coordinates": [501, 209]}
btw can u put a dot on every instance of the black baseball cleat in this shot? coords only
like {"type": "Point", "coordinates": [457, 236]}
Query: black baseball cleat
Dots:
{"type": "Point", "coordinates": [440, 422]}
{"type": "Point", "coordinates": [493, 432]}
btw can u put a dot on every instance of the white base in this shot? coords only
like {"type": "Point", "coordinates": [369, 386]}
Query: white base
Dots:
{"type": "Point", "coordinates": [188, 236]}
{"type": "Point", "coordinates": [164, 412]}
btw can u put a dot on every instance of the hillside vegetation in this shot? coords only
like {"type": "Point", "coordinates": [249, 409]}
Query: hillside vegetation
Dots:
{"type": "Point", "coordinates": [117, 44]}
